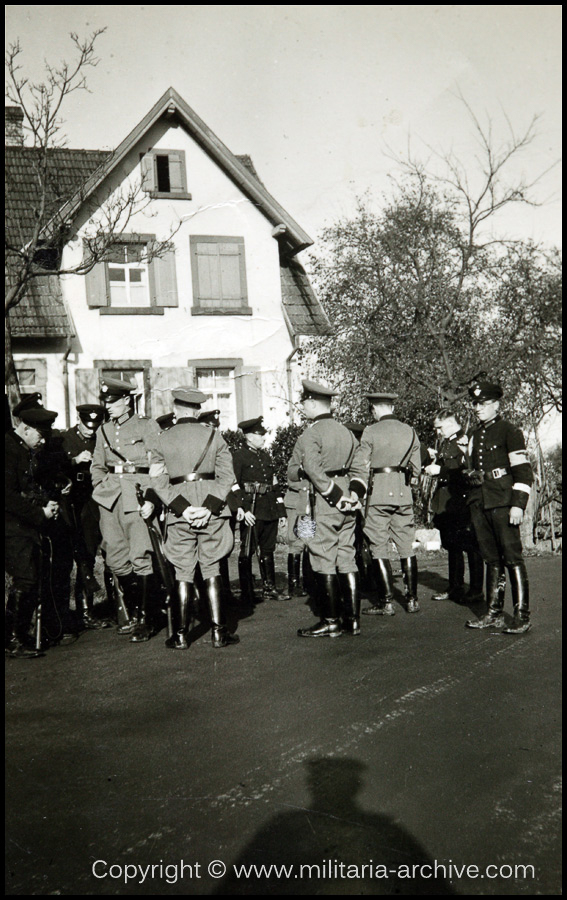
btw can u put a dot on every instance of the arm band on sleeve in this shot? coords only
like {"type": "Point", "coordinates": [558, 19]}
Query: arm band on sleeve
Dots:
{"type": "Point", "coordinates": [215, 504]}
{"type": "Point", "coordinates": [179, 505]}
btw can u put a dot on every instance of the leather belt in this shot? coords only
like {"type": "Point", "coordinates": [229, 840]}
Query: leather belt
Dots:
{"type": "Point", "coordinates": [193, 476]}
{"type": "Point", "coordinates": [388, 469]}
{"type": "Point", "coordinates": [128, 469]}
{"type": "Point", "coordinates": [336, 472]}
{"type": "Point", "coordinates": [494, 474]}
{"type": "Point", "coordinates": [257, 487]}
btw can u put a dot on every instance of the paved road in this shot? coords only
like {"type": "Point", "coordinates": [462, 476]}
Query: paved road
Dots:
{"type": "Point", "coordinates": [419, 743]}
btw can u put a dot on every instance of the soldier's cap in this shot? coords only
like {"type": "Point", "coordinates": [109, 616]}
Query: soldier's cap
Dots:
{"type": "Point", "coordinates": [112, 389]}
{"type": "Point", "coordinates": [382, 397]}
{"type": "Point", "coordinates": [188, 396]}
{"type": "Point", "coordinates": [91, 414]}
{"type": "Point", "coordinates": [355, 427]}
{"type": "Point", "coordinates": [39, 418]}
{"type": "Point", "coordinates": [253, 426]}
{"type": "Point", "coordinates": [484, 390]}
{"type": "Point", "coordinates": [312, 390]}
{"type": "Point", "coordinates": [30, 401]}
{"type": "Point", "coordinates": [166, 421]}
{"type": "Point", "coordinates": [209, 417]}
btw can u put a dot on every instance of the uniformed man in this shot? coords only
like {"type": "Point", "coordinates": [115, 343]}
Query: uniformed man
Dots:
{"type": "Point", "coordinates": [325, 454]}
{"type": "Point", "coordinates": [27, 512]}
{"type": "Point", "coordinates": [78, 443]}
{"type": "Point", "coordinates": [502, 478]}
{"type": "Point", "coordinates": [192, 474]}
{"type": "Point", "coordinates": [260, 507]}
{"type": "Point", "coordinates": [121, 459]}
{"type": "Point", "coordinates": [390, 453]}
{"type": "Point", "coordinates": [451, 512]}
{"type": "Point", "coordinates": [296, 502]}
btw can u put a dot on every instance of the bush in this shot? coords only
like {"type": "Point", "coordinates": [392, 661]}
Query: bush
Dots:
{"type": "Point", "coordinates": [282, 448]}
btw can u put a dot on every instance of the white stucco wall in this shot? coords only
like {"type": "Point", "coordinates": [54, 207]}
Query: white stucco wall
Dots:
{"type": "Point", "coordinates": [217, 207]}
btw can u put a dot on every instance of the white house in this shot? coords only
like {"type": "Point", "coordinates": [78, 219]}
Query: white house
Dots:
{"type": "Point", "coordinates": [223, 309]}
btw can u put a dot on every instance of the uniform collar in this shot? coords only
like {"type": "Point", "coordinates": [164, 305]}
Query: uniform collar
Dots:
{"type": "Point", "coordinates": [322, 416]}
{"type": "Point", "coordinates": [492, 421]}
{"type": "Point", "coordinates": [124, 418]}
{"type": "Point", "coordinates": [185, 419]}
{"type": "Point", "coordinates": [387, 416]}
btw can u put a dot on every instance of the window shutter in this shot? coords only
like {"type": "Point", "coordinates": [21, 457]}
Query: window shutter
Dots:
{"type": "Point", "coordinates": [177, 176]}
{"type": "Point", "coordinates": [87, 386]}
{"type": "Point", "coordinates": [208, 271]}
{"type": "Point", "coordinates": [96, 284]}
{"type": "Point", "coordinates": [251, 380]}
{"type": "Point", "coordinates": [148, 173]}
{"type": "Point", "coordinates": [165, 279]}
{"type": "Point", "coordinates": [229, 258]}
{"type": "Point", "coordinates": [163, 381]}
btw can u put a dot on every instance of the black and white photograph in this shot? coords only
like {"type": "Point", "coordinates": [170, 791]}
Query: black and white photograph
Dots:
{"type": "Point", "coordinates": [283, 452]}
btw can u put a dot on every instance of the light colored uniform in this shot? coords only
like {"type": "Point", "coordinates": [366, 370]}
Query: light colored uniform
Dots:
{"type": "Point", "coordinates": [326, 453]}
{"type": "Point", "coordinates": [390, 443]}
{"type": "Point", "coordinates": [125, 535]}
{"type": "Point", "coordinates": [176, 454]}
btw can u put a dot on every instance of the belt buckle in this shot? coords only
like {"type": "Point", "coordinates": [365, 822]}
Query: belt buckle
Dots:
{"type": "Point", "coordinates": [119, 469]}
{"type": "Point", "coordinates": [497, 473]}
{"type": "Point", "coordinates": [80, 476]}
{"type": "Point", "coordinates": [192, 477]}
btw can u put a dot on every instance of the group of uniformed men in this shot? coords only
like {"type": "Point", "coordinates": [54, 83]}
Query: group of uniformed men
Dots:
{"type": "Point", "coordinates": [116, 475]}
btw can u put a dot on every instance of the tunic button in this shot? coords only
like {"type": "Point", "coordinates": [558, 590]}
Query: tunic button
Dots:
{"type": "Point", "coordinates": [391, 494]}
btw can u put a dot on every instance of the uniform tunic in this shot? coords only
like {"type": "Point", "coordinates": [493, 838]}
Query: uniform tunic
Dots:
{"type": "Point", "coordinates": [390, 443]}
{"type": "Point", "coordinates": [86, 509]}
{"type": "Point", "coordinates": [296, 502]}
{"type": "Point", "coordinates": [499, 459]}
{"type": "Point", "coordinates": [24, 516]}
{"type": "Point", "coordinates": [175, 455]}
{"type": "Point", "coordinates": [254, 471]}
{"type": "Point", "coordinates": [325, 453]}
{"type": "Point", "coordinates": [451, 513]}
{"type": "Point", "coordinates": [126, 540]}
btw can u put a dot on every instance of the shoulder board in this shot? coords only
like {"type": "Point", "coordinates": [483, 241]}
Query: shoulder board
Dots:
{"type": "Point", "coordinates": [463, 441]}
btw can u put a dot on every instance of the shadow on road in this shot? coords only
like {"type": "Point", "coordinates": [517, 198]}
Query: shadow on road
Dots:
{"type": "Point", "coordinates": [333, 846]}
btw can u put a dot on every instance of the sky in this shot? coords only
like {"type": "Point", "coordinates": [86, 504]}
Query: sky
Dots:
{"type": "Point", "coordinates": [325, 99]}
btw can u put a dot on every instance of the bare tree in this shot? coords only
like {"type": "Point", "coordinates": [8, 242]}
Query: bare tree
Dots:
{"type": "Point", "coordinates": [35, 240]}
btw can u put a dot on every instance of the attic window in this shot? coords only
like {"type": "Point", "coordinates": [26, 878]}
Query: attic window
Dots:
{"type": "Point", "coordinates": [164, 174]}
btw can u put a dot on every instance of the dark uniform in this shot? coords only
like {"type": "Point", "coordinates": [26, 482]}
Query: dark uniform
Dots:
{"type": "Point", "coordinates": [296, 502]}
{"type": "Point", "coordinates": [325, 454]}
{"type": "Point", "coordinates": [451, 515]}
{"type": "Point", "coordinates": [25, 522]}
{"type": "Point", "coordinates": [84, 511]}
{"type": "Point", "coordinates": [257, 491]}
{"type": "Point", "coordinates": [391, 455]}
{"type": "Point", "coordinates": [192, 467]}
{"type": "Point", "coordinates": [120, 461]}
{"type": "Point", "coordinates": [501, 477]}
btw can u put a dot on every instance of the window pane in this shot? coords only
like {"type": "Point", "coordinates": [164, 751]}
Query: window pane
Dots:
{"type": "Point", "coordinates": [115, 274]}
{"type": "Point", "coordinates": [205, 378]}
{"type": "Point", "coordinates": [162, 168]}
{"type": "Point", "coordinates": [136, 275]}
{"type": "Point", "coordinates": [139, 295]}
{"type": "Point", "coordinates": [26, 377]}
{"type": "Point", "coordinates": [223, 379]}
{"type": "Point", "coordinates": [118, 295]}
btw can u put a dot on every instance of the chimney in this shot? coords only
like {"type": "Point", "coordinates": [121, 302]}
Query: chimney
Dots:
{"type": "Point", "coordinates": [14, 117]}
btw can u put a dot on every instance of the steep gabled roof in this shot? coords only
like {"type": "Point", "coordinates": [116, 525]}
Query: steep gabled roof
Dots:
{"type": "Point", "coordinates": [171, 104]}
{"type": "Point", "coordinates": [304, 314]}
{"type": "Point", "coordinates": [42, 312]}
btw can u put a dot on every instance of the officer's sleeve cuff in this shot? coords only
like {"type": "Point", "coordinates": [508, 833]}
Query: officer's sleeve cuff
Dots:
{"type": "Point", "coordinates": [214, 504]}
{"type": "Point", "coordinates": [281, 510]}
{"type": "Point", "coordinates": [358, 487]}
{"type": "Point", "coordinates": [520, 497]}
{"type": "Point", "coordinates": [334, 495]}
{"type": "Point", "coordinates": [179, 505]}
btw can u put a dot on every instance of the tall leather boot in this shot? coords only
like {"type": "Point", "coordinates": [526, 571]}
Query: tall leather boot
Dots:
{"type": "Point", "coordinates": [145, 628]}
{"type": "Point", "coordinates": [409, 571]}
{"type": "Point", "coordinates": [267, 567]}
{"type": "Point", "coordinates": [293, 575]}
{"type": "Point", "coordinates": [247, 597]}
{"type": "Point", "coordinates": [456, 565]}
{"type": "Point", "coordinates": [181, 615]}
{"type": "Point", "coordinates": [350, 590]}
{"type": "Point", "coordinates": [382, 572]}
{"type": "Point", "coordinates": [493, 617]}
{"type": "Point", "coordinates": [220, 635]}
{"type": "Point", "coordinates": [128, 584]}
{"type": "Point", "coordinates": [309, 583]}
{"type": "Point", "coordinates": [330, 624]}
{"type": "Point", "coordinates": [228, 596]}
{"type": "Point", "coordinates": [19, 611]}
{"type": "Point", "coordinates": [476, 578]}
{"type": "Point", "coordinates": [520, 599]}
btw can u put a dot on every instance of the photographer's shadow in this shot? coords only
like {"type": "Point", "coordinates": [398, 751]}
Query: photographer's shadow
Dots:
{"type": "Point", "coordinates": [342, 848]}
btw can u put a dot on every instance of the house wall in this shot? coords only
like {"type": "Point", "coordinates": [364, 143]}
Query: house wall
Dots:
{"type": "Point", "coordinates": [217, 207]}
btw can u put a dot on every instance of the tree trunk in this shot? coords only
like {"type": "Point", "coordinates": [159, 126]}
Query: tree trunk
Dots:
{"type": "Point", "coordinates": [10, 374]}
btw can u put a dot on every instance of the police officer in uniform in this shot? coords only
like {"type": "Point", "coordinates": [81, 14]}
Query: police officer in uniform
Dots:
{"type": "Point", "coordinates": [391, 456]}
{"type": "Point", "coordinates": [78, 443]}
{"type": "Point", "coordinates": [325, 454]}
{"type": "Point", "coordinates": [121, 459]}
{"type": "Point", "coordinates": [192, 474]}
{"type": "Point", "coordinates": [451, 512]}
{"type": "Point", "coordinates": [257, 487]}
{"type": "Point", "coordinates": [28, 511]}
{"type": "Point", "coordinates": [502, 477]}
{"type": "Point", "coordinates": [296, 502]}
